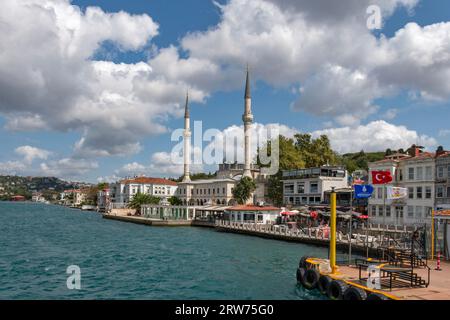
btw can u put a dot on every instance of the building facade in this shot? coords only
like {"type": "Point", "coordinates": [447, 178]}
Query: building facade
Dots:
{"type": "Point", "coordinates": [442, 179]}
{"type": "Point", "coordinates": [415, 171]}
{"type": "Point", "coordinates": [307, 186]}
{"type": "Point", "coordinates": [122, 192]}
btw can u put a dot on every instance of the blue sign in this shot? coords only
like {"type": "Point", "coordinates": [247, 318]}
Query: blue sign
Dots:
{"type": "Point", "coordinates": [363, 191]}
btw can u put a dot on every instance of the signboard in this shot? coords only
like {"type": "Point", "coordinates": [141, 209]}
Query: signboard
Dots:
{"type": "Point", "coordinates": [363, 191]}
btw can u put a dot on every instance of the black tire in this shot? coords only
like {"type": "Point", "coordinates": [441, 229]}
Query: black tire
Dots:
{"type": "Point", "coordinates": [323, 284]}
{"type": "Point", "coordinates": [354, 293]}
{"type": "Point", "coordinates": [376, 296]}
{"type": "Point", "coordinates": [336, 290]}
{"type": "Point", "coordinates": [300, 275]}
{"type": "Point", "coordinates": [302, 263]}
{"type": "Point", "coordinates": [311, 279]}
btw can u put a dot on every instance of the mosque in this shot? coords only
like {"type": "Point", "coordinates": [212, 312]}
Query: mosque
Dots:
{"type": "Point", "coordinates": [218, 191]}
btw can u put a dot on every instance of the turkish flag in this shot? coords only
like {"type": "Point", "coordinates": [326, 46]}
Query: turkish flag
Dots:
{"type": "Point", "coordinates": [381, 177]}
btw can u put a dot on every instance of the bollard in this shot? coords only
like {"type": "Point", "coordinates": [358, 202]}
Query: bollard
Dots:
{"type": "Point", "coordinates": [438, 262]}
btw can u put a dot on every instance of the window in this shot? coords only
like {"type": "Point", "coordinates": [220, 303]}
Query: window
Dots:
{"type": "Point", "coordinates": [318, 199]}
{"type": "Point", "coordinates": [380, 193]}
{"type": "Point", "coordinates": [428, 211]}
{"type": "Point", "coordinates": [419, 173]}
{"type": "Point", "coordinates": [223, 189]}
{"type": "Point", "coordinates": [440, 172]}
{"type": "Point", "coordinates": [314, 187]}
{"type": "Point", "coordinates": [304, 200]}
{"type": "Point", "coordinates": [399, 212]}
{"type": "Point", "coordinates": [388, 211]}
{"type": "Point", "coordinates": [448, 192]}
{"type": "Point", "coordinates": [428, 192]}
{"type": "Point", "coordinates": [400, 175]}
{"type": "Point", "coordinates": [297, 200]}
{"type": "Point", "coordinates": [380, 211]}
{"type": "Point", "coordinates": [448, 172]}
{"type": "Point", "coordinates": [311, 199]}
{"type": "Point", "coordinates": [411, 193]}
{"type": "Point", "coordinates": [374, 211]}
{"type": "Point", "coordinates": [419, 192]}
{"type": "Point", "coordinates": [301, 187]}
{"type": "Point", "coordinates": [410, 211]}
{"type": "Point", "coordinates": [439, 192]}
{"type": "Point", "coordinates": [419, 211]}
{"type": "Point", "coordinates": [410, 173]}
{"type": "Point", "coordinates": [428, 173]}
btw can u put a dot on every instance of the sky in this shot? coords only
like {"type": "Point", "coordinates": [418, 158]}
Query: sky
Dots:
{"type": "Point", "coordinates": [92, 90]}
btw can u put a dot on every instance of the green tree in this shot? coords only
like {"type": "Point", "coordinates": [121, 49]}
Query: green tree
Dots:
{"type": "Point", "coordinates": [175, 201]}
{"type": "Point", "coordinates": [141, 199]}
{"type": "Point", "coordinates": [244, 189]}
{"type": "Point", "coordinates": [315, 152]}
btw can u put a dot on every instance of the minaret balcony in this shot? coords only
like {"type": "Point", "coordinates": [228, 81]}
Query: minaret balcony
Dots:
{"type": "Point", "coordinates": [247, 118]}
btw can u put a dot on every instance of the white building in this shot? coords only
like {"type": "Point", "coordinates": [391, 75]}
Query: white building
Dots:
{"type": "Point", "coordinates": [307, 186]}
{"type": "Point", "coordinates": [38, 197]}
{"type": "Point", "coordinates": [414, 171]}
{"type": "Point", "coordinates": [103, 199]}
{"type": "Point", "coordinates": [73, 197]}
{"type": "Point", "coordinates": [442, 179]}
{"type": "Point", "coordinates": [252, 214]}
{"type": "Point", "coordinates": [122, 192]}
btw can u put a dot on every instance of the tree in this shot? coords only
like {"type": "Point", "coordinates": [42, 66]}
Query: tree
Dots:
{"type": "Point", "coordinates": [141, 199]}
{"type": "Point", "coordinates": [244, 189]}
{"type": "Point", "coordinates": [315, 152]}
{"type": "Point", "coordinates": [175, 201]}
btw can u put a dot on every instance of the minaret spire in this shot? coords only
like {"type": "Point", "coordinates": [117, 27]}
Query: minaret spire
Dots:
{"type": "Point", "coordinates": [247, 118]}
{"type": "Point", "coordinates": [187, 141]}
{"type": "Point", "coordinates": [247, 86]}
{"type": "Point", "coordinates": [186, 106]}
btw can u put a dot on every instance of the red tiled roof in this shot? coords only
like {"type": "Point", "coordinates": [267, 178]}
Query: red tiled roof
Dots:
{"type": "Point", "coordinates": [423, 155]}
{"type": "Point", "coordinates": [444, 154]}
{"type": "Point", "coordinates": [253, 208]}
{"type": "Point", "coordinates": [443, 213]}
{"type": "Point", "coordinates": [149, 181]}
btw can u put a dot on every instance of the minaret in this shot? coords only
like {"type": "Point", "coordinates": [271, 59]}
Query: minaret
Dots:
{"type": "Point", "coordinates": [247, 117]}
{"type": "Point", "coordinates": [187, 141]}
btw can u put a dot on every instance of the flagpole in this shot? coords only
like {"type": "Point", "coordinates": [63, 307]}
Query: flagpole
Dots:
{"type": "Point", "coordinates": [350, 231]}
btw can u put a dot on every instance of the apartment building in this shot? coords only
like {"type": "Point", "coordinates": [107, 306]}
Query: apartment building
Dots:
{"type": "Point", "coordinates": [307, 186]}
{"type": "Point", "coordinates": [415, 171]}
{"type": "Point", "coordinates": [442, 179]}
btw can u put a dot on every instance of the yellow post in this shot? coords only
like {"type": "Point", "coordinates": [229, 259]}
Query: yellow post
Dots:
{"type": "Point", "coordinates": [432, 234]}
{"type": "Point", "coordinates": [333, 232]}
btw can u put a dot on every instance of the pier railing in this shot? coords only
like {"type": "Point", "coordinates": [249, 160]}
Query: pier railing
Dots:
{"type": "Point", "coordinates": [283, 231]}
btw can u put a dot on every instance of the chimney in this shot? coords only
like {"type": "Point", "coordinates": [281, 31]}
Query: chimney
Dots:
{"type": "Point", "coordinates": [440, 150]}
{"type": "Point", "coordinates": [414, 151]}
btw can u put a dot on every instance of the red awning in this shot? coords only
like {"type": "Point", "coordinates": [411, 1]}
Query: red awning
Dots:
{"type": "Point", "coordinates": [363, 217]}
{"type": "Point", "coordinates": [288, 213]}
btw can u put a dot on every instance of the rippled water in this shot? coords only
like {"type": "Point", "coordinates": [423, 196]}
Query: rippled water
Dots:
{"type": "Point", "coordinates": [127, 261]}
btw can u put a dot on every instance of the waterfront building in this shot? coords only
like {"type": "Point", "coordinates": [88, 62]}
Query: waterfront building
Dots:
{"type": "Point", "coordinates": [103, 199]}
{"type": "Point", "coordinates": [73, 197]}
{"type": "Point", "coordinates": [416, 171]}
{"type": "Point", "coordinates": [442, 179]}
{"type": "Point", "coordinates": [252, 214]}
{"type": "Point", "coordinates": [307, 186]}
{"type": "Point", "coordinates": [123, 191]}
{"type": "Point", "coordinates": [37, 197]}
{"type": "Point", "coordinates": [218, 191]}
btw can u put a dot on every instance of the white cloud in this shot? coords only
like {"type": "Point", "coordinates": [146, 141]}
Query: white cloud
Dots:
{"type": "Point", "coordinates": [12, 168]}
{"type": "Point", "coordinates": [30, 153]}
{"type": "Point", "coordinates": [67, 167]}
{"type": "Point", "coordinates": [375, 136]}
{"type": "Point", "coordinates": [444, 133]}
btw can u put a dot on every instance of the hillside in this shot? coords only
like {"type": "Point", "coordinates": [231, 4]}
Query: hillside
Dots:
{"type": "Point", "coordinates": [25, 186]}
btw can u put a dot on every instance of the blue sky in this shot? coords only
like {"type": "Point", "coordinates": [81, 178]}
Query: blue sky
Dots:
{"type": "Point", "coordinates": [360, 93]}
